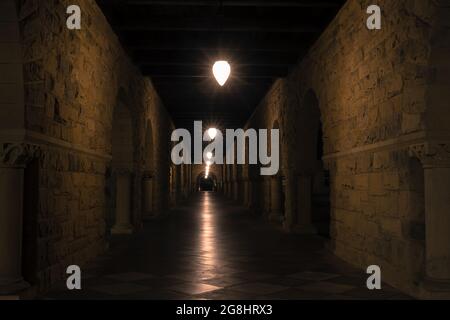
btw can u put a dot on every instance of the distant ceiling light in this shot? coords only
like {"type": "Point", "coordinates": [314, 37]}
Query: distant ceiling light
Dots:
{"type": "Point", "coordinates": [209, 155]}
{"type": "Point", "coordinates": [212, 132]}
{"type": "Point", "coordinates": [221, 71]}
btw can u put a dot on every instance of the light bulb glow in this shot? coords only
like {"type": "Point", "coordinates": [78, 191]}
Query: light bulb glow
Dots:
{"type": "Point", "coordinates": [208, 163]}
{"type": "Point", "coordinates": [221, 71]}
{"type": "Point", "coordinates": [212, 132]}
{"type": "Point", "coordinates": [209, 155]}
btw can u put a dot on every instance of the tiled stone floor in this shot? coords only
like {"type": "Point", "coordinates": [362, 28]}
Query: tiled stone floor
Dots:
{"type": "Point", "coordinates": [213, 249]}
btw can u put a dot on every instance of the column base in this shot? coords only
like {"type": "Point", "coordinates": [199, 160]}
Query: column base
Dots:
{"type": "Point", "coordinates": [276, 217]}
{"type": "Point", "coordinates": [13, 287]}
{"type": "Point", "coordinates": [300, 229]}
{"type": "Point", "coordinates": [122, 230]}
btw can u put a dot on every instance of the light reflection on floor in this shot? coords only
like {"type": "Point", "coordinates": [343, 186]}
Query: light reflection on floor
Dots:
{"type": "Point", "coordinates": [212, 248]}
{"type": "Point", "coordinates": [208, 241]}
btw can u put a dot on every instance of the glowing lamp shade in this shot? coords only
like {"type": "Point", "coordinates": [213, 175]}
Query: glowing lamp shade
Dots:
{"type": "Point", "coordinates": [221, 71]}
{"type": "Point", "coordinates": [212, 132]}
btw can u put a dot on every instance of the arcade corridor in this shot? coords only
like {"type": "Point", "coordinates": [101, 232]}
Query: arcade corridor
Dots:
{"type": "Point", "coordinates": [214, 249]}
{"type": "Point", "coordinates": [221, 149]}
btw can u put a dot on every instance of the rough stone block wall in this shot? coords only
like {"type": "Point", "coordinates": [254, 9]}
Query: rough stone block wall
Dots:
{"type": "Point", "coordinates": [74, 79]}
{"type": "Point", "coordinates": [379, 92]}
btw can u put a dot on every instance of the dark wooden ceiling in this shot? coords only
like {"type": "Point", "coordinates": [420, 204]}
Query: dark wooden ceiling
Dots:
{"type": "Point", "coordinates": [177, 42]}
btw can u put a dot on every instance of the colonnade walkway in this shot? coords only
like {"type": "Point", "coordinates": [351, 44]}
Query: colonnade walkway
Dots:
{"type": "Point", "coordinates": [211, 248]}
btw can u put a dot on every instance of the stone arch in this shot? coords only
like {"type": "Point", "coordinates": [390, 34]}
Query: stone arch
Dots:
{"type": "Point", "coordinates": [316, 174]}
{"type": "Point", "coordinates": [123, 150]}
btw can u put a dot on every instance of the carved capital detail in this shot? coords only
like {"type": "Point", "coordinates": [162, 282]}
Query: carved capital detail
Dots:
{"type": "Point", "coordinates": [17, 154]}
{"type": "Point", "coordinates": [431, 154]}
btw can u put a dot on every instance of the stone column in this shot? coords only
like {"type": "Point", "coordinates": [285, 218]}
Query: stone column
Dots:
{"type": "Point", "coordinates": [290, 203]}
{"type": "Point", "coordinates": [267, 196]}
{"type": "Point", "coordinates": [435, 158]}
{"type": "Point", "coordinates": [245, 191]}
{"type": "Point", "coordinates": [147, 194]}
{"type": "Point", "coordinates": [250, 194]}
{"type": "Point", "coordinates": [236, 190]}
{"type": "Point", "coordinates": [13, 159]}
{"type": "Point", "coordinates": [123, 203]}
{"type": "Point", "coordinates": [275, 199]}
{"type": "Point", "coordinates": [178, 187]}
{"type": "Point", "coordinates": [257, 196]}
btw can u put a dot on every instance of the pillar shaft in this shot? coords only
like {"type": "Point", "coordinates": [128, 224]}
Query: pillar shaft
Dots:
{"type": "Point", "coordinates": [123, 203]}
{"type": "Point", "coordinates": [435, 158]}
{"type": "Point", "coordinates": [275, 199]}
{"type": "Point", "coordinates": [250, 194]}
{"type": "Point", "coordinates": [147, 193]}
{"type": "Point", "coordinates": [246, 193]}
{"type": "Point", "coordinates": [11, 202]}
{"type": "Point", "coordinates": [13, 159]}
{"type": "Point", "coordinates": [267, 196]}
{"type": "Point", "coordinates": [437, 221]}
{"type": "Point", "coordinates": [236, 190]}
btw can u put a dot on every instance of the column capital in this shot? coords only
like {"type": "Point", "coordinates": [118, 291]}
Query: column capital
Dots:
{"type": "Point", "coordinates": [121, 171]}
{"type": "Point", "coordinates": [17, 154]}
{"type": "Point", "coordinates": [432, 154]}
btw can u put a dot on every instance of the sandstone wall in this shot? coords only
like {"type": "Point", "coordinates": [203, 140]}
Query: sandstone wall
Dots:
{"type": "Point", "coordinates": [379, 93]}
{"type": "Point", "coordinates": [74, 81]}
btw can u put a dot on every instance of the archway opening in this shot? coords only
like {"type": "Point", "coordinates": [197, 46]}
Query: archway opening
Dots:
{"type": "Point", "coordinates": [121, 175]}
{"type": "Point", "coordinates": [206, 183]}
{"type": "Point", "coordinates": [320, 178]}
